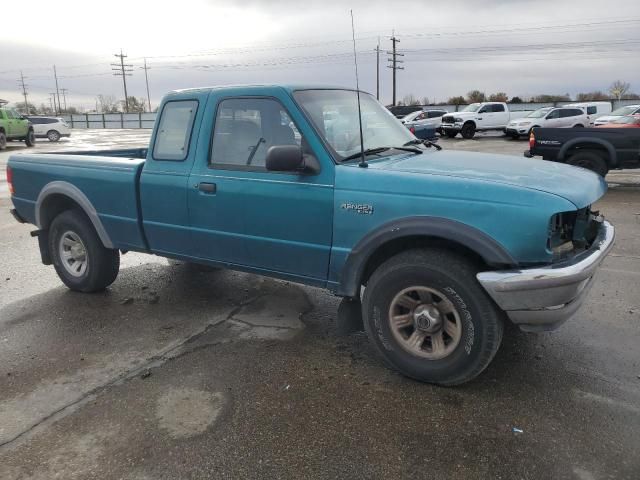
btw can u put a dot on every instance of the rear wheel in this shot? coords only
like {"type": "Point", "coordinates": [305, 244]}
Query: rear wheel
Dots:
{"type": "Point", "coordinates": [80, 259]}
{"type": "Point", "coordinates": [578, 126]}
{"type": "Point", "coordinates": [3, 141]}
{"type": "Point", "coordinates": [591, 160]}
{"type": "Point", "coordinates": [53, 135]}
{"type": "Point", "coordinates": [429, 318]}
{"type": "Point", "coordinates": [30, 139]}
{"type": "Point", "coordinates": [468, 131]}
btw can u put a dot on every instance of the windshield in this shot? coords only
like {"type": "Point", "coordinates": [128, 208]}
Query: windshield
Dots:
{"type": "Point", "coordinates": [541, 112]}
{"type": "Point", "coordinates": [379, 127]}
{"type": "Point", "coordinates": [625, 110]}
{"type": "Point", "coordinates": [410, 117]}
{"type": "Point", "coordinates": [474, 107]}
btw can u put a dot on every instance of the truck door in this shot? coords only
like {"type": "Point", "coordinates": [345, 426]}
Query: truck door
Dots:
{"type": "Point", "coordinates": [10, 124]}
{"type": "Point", "coordinates": [245, 215]}
{"type": "Point", "coordinates": [165, 176]}
{"type": "Point", "coordinates": [553, 119]}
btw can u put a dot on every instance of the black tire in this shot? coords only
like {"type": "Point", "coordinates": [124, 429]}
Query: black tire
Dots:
{"type": "Point", "coordinates": [102, 264]}
{"type": "Point", "coordinates": [514, 136]}
{"type": "Point", "coordinates": [30, 139]}
{"type": "Point", "coordinates": [480, 320]}
{"type": "Point", "coordinates": [468, 130]}
{"type": "Point", "coordinates": [591, 160]}
{"type": "Point", "coordinates": [3, 141]}
{"type": "Point", "coordinates": [451, 134]}
{"type": "Point", "coordinates": [53, 135]}
{"type": "Point", "coordinates": [578, 126]}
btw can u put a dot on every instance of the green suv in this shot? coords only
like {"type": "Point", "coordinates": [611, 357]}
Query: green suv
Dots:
{"type": "Point", "coordinates": [13, 126]}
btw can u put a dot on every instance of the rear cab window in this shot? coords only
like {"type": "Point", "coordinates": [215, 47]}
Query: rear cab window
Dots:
{"type": "Point", "coordinates": [174, 130]}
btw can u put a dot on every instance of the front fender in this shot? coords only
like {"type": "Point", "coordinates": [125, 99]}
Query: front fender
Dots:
{"type": "Point", "coordinates": [420, 226]}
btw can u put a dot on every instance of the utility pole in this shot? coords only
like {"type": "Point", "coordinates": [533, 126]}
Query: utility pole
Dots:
{"type": "Point", "coordinates": [394, 63]}
{"type": "Point", "coordinates": [123, 70]}
{"type": "Point", "coordinates": [55, 108]}
{"type": "Point", "coordinates": [378, 70]}
{"type": "Point", "coordinates": [24, 92]}
{"type": "Point", "coordinates": [64, 98]}
{"type": "Point", "coordinates": [50, 104]}
{"type": "Point", "coordinates": [57, 90]}
{"type": "Point", "coordinates": [146, 78]}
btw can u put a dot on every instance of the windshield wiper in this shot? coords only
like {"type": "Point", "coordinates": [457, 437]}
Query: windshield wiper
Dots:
{"type": "Point", "coordinates": [367, 151]}
{"type": "Point", "coordinates": [426, 143]}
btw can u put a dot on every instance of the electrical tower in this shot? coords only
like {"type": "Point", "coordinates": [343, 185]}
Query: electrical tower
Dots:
{"type": "Point", "coordinates": [24, 92]}
{"type": "Point", "coordinates": [394, 63]}
{"type": "Point", "coordinates": [123, 70]}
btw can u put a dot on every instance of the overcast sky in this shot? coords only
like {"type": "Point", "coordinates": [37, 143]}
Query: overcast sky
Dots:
{"type": "Point", "coordinates": [521, 47]}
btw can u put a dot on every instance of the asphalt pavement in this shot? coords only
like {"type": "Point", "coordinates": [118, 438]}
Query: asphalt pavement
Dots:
{"type": "Point", "coordinates": [175, 372]}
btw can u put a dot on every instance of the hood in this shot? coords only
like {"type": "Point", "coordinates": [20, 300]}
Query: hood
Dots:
{"type": "Point", "coordinates": [577, 185]}
{"type": "Point", "coordinates": [607, 118]}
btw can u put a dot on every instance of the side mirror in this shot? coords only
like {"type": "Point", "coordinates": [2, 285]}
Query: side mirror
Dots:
{"type": "Point", "coordinates": [284, 158]}
{"type": "Point", "coordinates": [289, 158]}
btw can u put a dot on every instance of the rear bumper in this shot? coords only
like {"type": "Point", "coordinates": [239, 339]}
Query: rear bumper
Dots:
{"type": "Point", "coordinates": [540, 299]}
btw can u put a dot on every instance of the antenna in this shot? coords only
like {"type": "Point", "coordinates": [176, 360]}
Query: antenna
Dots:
{"type": "Point", "coordinates": [363, 162]}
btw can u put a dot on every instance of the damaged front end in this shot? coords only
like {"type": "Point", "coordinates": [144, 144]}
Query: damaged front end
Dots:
{"type": "Point", "coordinates": [571, 233]}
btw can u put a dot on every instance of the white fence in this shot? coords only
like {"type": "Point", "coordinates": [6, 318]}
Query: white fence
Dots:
{"type": "Point", "coordinates": [146, 120]}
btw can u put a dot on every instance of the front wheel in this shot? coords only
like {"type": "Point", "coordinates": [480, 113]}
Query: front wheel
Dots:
{"type": "Point", "coordinates": [468, 131]}
{"type": "Point", "coordinates": [30, 139]}
{"type": "Point", "coordinates": [53, 135]}
{"type": "Point", "coordinates": [79, 257]}
{"type": "Point", "coordinates": [429, 318]}
{"type": "Point", "coordinates": [3, 141]}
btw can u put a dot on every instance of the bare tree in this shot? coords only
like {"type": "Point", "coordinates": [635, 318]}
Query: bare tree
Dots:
{"type": "Point", "coordinates": [425, 101]}
{"type": "Point", "coordinates": [108, 104]}
{"type": "Point", "coordinates": [592, 96]}
{"type": "Point", "coordinates": [476, 96]}
{"type": "Point", "coordinates": [619, 88]}
{"type": "Point", "coordinates": [459, 100]}
{"type": "Point", "coordinates": [498, 97]}
{"type": "Point", "coordinates": [409, 100]}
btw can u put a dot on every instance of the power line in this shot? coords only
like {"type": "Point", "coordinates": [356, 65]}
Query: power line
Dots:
{"type": "Point", "coordinates": [24, 92]}
{"type": "Point", "coordinates": [146, 79]}
{"type": "Point", "coordinates": [64, 97]}
{"type": "Point", "coordinates": [124, 71]}
{"type": "Point", "coordinates": [55, 74]}
{"type": "Point", "coordinates": [394, 63]}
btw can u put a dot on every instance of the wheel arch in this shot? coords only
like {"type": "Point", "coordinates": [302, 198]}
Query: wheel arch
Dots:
{"type": "Point", "coordinates": [59, 196]}
{"type": "Point", "coordinates": [415, 232]}
{"type": "Point", "coordinates": [578, 144]}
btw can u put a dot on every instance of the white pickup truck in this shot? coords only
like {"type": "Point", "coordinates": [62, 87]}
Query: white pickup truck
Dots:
{"type": "Point", "coordinates": [478, 117]}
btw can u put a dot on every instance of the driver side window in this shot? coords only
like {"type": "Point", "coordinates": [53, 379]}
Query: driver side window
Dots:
{"type": "Point", "coordinates": [244, 130]}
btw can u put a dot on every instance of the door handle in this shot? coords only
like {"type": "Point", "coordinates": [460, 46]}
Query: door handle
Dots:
{"type": "Point", "coordinates": [207, 187]}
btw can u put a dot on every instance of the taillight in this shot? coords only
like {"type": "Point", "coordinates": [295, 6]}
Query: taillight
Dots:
{"type": "Point", "coordinates": [10, 180]}
{"type": "Point", "coordinates": [532, 140]}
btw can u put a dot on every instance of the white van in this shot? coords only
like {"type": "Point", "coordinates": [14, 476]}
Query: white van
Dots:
{"type": "Point", "coordinates": [593, 109]}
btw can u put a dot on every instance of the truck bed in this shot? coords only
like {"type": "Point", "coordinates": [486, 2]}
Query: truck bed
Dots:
{"type": "Point", "coordinates": [108, 179]}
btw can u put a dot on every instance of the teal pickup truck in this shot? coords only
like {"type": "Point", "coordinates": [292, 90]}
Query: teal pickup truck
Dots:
{"type": "Point", "coordinates": [435, 250]}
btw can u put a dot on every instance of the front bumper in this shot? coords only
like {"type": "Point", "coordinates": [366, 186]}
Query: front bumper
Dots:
{"type": "Point", "coordinates": [541, 299]}
{"type": "Point", "coordinates": [516, 129]}
{"type": "Point", "coordinates": [451, 127]}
